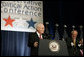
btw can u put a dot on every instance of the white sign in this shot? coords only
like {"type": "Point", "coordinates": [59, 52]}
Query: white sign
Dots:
{"type": "Point", "coordinates": [21, 15]}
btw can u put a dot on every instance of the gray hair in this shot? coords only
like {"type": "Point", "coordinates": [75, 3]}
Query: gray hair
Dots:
{"type": "Point", "coordinates": [73, 32]}
{"type": "Point", "coordinates": [38, 25]}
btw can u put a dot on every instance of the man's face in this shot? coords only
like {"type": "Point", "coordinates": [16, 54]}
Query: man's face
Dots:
{"type": "Point", "coordinates": [74, 34]}
{"type": "Point", "coordinates": [41, 29]}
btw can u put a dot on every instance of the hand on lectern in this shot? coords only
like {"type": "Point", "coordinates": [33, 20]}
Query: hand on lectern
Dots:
{"type": "Point", "coordinates": [35, 44]}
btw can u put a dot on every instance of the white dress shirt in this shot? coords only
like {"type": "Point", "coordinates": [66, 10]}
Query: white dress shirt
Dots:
{"type": "Point", "coordinates": [39, 35]}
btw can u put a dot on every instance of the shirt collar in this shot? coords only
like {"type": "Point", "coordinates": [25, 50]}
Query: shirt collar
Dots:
{"type": "Point", "coordinates": [38, 34]}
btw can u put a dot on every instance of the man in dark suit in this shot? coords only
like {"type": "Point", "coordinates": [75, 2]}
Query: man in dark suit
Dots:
{"type": "Point", "coordinates": [81, 47]}
{"type": "Point", "coordinates": [34, 38]}
{"type": "Point", "coordinates": [72, 44]}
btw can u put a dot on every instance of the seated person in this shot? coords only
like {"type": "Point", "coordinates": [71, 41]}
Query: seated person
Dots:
{"type": "Point", "coordinates": [72, 44]}
{"type": "Point", "coordinates": [81, 47]}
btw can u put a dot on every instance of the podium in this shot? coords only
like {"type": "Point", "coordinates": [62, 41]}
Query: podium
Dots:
{"type": "Point", "coordinates": [52, 48]}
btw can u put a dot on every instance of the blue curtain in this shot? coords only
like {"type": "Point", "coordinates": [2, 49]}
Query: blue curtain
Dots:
{"type": "Point", "coordinates": [14, 43]}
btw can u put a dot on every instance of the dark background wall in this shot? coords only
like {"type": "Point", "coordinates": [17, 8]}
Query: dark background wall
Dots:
{"type": "Point", "coordinates": [69, 12]}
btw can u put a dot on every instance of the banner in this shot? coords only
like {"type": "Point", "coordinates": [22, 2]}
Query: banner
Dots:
{"type": "Point", "coordinates": [21, 15]}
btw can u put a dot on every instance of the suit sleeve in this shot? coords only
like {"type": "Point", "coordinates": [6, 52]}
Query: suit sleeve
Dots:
{"type": "Point", "coordinates": [30, 40]}
{"type": "Point", "coordinates": [68, 42]}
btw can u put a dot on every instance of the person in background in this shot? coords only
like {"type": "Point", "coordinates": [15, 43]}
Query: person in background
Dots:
{"type": "Point", "coordinates": [81, 47]}
{"type": "Point", "coordinates": [72, 44]}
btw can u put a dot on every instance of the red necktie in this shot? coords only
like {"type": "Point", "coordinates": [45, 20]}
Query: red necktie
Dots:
{"type": "Point", "coordinates": [40, 37]}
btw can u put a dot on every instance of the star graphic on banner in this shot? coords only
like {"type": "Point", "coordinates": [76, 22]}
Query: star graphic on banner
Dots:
{"type": "Point", "coordinates": [31, 23]}
{"type": "Point", "coordinates": [8, 21]}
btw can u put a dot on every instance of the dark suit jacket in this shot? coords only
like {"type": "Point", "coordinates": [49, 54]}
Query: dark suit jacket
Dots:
{"type": "Point", "coordinates": [73, 51]}
{"type": "Point", "coordinates": [33, 37]}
